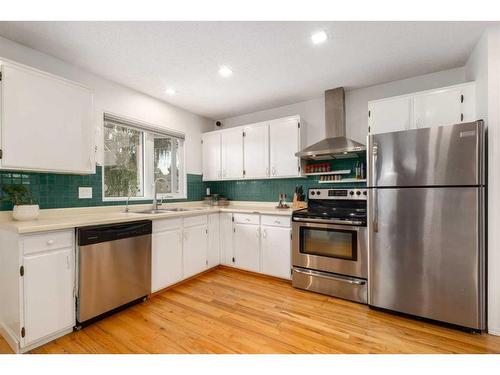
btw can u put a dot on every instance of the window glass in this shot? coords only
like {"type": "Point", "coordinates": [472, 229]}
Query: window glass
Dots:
{"type": "Point", "coordinates": [134, 158]}
{"type": "Point", "coordinates": [123, 168]}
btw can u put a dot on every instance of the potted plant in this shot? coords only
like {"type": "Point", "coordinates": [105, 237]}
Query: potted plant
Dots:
{"type": "Point", "coordinates": [22, 199]}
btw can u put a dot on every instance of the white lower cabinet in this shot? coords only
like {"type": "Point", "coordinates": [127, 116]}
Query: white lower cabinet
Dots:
{"type": "Point", "coordinates": [49, 305]}
{"type": "Point", "coordinates": [226, 238]}
{"type": "Point", "coordinates": [166, 258]}
{"type": "Point", "coordinates": [246, 246]}
{"type": "Point", "coordinates": [276, 254]}
{"type": "Point", "coordinates": [213, 252]}
{"type": "Point", "coordinates": [37, 287]}
{"type": "Point", "coordinates": [195, 250]}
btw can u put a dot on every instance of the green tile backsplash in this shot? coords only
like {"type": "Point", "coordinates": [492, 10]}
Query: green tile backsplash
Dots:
{"type": "Point", "coordinates": [52, 190]}
{"type": "Point", "coordinates": [268, 190]}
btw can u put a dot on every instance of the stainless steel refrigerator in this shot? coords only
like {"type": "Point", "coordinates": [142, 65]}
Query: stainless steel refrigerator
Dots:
{"type": "Point", "coordinates": [426, 223]}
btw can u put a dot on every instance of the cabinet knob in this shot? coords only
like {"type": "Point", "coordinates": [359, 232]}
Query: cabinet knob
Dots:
{"type": "Point", "coordinates": [50, 242]}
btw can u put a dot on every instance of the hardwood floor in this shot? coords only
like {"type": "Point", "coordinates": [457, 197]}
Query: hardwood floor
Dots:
{"type": "Point", "coordinates": [227, 311]}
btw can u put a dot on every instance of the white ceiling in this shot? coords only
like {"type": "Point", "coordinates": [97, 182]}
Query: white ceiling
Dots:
{"type": "Point", "coordinates": [274, 63]}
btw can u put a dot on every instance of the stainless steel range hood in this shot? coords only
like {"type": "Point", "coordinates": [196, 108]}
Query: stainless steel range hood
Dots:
{"type": "Point", "coordinates": [336, 145]}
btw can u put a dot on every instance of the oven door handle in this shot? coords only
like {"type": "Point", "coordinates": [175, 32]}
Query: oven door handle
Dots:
{"type": "Point", "coordinates": [331, 277]}
{"type": "Point", "coordinates": [327, 221]}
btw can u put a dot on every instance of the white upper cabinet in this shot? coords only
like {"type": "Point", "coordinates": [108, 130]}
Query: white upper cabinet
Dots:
{"type": "Point", "coordinates": [211, 154]}
{"type": "Point", "coordinates": [284, 143]}
{"type": "Point", "coordinates": [232, 153]}
{"type": "Point", "coordinates": [390, 115]}
{"type": "Point", "coordinates": [46, 122]}
{"type": "Point", "coordinates": [256, 150]}
{"type": "Point", "coordinates": [444, 106]}
{"type": "Point", "coordinates": [253, 151]}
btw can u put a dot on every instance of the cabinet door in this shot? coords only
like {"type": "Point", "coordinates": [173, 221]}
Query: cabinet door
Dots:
{"type": "Point", "coordinates": [232, 154]}
{"type": "Point", "coordinates": [390, 115]}
{"type": "Point", "coordinates": [211, 155]}
{"type": "Point", "coordinates": [195, 250]}
{"type": "Point", "coordinates": [441, 107]}
{"type": "Point", "coordinates": [166, 256]}
{"type": "Point", "coordinates": [226, 238]}
{"type": "Point", "coordinates": [284, 143]}
{"type": "Point", "coordinates": [213, 256]}
{"type": "Point", "coordinates": [46, 122]}
{"type": "Point", "coordinates": [246, 240]}
{"type": "Point", "coordinates": [49, 304]}
{"type": "Point", "coordinates": [256, 151]}
{"type": "Point", "coordinates": [276, 257]}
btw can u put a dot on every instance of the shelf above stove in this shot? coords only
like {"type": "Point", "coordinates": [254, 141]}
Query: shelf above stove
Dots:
{"type": "Point", "coordinates": [342, 171]}
{"type": "Point", "coordinates": [344, 181]}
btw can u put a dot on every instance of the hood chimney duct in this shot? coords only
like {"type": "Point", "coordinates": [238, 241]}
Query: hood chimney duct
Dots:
{"type": "Point", "coordinates": [335, 113]}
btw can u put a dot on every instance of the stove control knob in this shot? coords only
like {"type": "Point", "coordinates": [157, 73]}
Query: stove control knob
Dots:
{"type": "Point", "coordinates": [364, 192]}
{"type": "Point", "coordinates": [358, 193]}
{"type": "Point", "coordinates": [312, 193]}
{"type": "Point", "coordinates": [318, 192]}
{"type": "Point", "coordinates": [351, 192]}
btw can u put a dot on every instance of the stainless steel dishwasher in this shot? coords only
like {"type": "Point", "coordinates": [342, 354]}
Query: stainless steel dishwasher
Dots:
{"type": "Point", "coordinates": [114, 268]}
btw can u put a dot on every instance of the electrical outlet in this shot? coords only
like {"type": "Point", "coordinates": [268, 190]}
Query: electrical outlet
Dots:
{"type": "Point", "coordinates": [84, 192]}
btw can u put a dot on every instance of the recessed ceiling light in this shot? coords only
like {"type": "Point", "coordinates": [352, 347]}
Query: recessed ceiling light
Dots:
{"type": "Point", "coordinates": [170, 91]}
{"type": "Point", "coordinates": [225, 71]}
{"type": "Point", "coordinates": [319, 37]}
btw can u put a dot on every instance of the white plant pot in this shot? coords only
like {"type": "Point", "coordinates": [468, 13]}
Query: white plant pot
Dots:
{"type": "Point", "coordinates": [26, 212]}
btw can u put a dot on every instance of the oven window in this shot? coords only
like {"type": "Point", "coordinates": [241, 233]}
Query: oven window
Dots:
{"type": "Point", "coordinates": [333, 243]}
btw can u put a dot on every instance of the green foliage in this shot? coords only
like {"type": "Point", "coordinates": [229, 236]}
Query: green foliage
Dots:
{"type": "Point", "coordinates": [122, 147]}
{"type": "Point", "coordinates": [17, 194]}
{"type": "Point", "coordinates": [120, 181]}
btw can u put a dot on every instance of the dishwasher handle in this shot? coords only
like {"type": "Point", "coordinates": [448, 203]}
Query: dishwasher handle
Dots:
{"type": "Point", "coordinates": [110, 232]}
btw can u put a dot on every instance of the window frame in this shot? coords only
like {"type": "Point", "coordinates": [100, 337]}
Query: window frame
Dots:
{"type": "Point", "coordinates": [147, 158]}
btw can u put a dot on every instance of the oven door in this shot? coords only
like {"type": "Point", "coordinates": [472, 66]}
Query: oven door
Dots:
{"type": "Point", "coordinates": [334, 248]}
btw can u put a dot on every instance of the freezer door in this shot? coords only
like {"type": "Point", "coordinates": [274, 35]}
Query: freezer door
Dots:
{"type": "Point", "coordinates": [440, 156]}
{"type": "Point", "coordinates": [426, 253]}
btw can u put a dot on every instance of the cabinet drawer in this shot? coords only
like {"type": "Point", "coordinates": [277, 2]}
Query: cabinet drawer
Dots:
{"type": "Point", "coordinates": [47, 241]}
{"type": "Point", "coordinates": [166, 224]}
{"type": "Point", "coordinates": [195, 220]}
{"type": "Point", "coordinates": [246, 218]}
{"type": "Point", "coordinates": [276, 220]}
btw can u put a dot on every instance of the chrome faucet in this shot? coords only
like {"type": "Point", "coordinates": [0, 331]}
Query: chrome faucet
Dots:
{"type": "Point", "coordinates": [128, 200]}
{"type": "Point", "coordinates": [155, 183]}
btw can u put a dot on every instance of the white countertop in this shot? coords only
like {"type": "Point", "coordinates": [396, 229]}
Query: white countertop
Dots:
{"type": "Point", "coordinates": [56, 219]}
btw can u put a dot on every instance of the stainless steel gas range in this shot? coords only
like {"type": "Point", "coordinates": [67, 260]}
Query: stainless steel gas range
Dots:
{"type": "Point", "coordinates": [329, 244]}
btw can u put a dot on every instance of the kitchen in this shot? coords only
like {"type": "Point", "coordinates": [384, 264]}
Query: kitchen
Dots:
{"type": "Point", "coordinates": [349, 214]}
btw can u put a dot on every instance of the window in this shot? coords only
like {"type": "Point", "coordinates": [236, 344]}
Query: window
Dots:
{"type": "Point", "coordinates": [136, 155]}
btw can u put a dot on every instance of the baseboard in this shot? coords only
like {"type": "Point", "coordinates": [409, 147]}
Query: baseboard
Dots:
{"type": "Point", "coordinates": [253, 273]}
{"type": "Point", "coordinates": [9, 338]}
{"type": "Point", "coordinates": [182, 281]}
{"type": "Point", "coordinates": [46, 340]}
{"type": "Point", "coordinates": [494, 331]}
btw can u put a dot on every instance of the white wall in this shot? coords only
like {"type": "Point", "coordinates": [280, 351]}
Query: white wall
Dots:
{"type": "Point", "coordinates": [120, 100]}
{"type": "Point", "coordinates": [312, 112]}
{"type": "Point", "coordinates": [483, 66]}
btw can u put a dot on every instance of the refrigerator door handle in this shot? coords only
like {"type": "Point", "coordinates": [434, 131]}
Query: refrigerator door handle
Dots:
{"type": "Point", "coordinates": [374, 164]}
{"type": "Point", "coordinates": [375, 147]}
